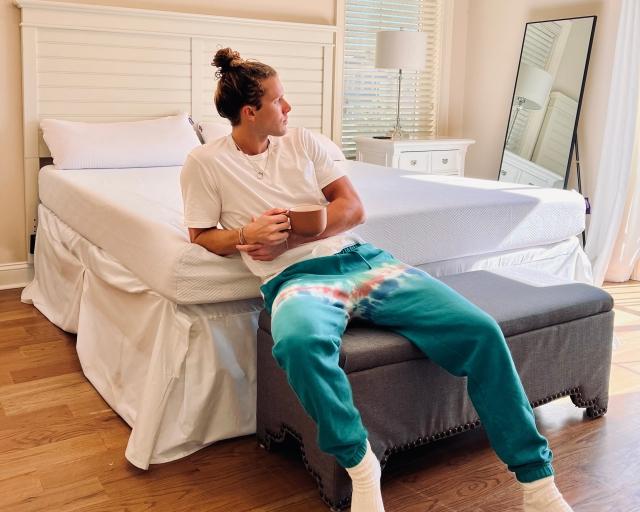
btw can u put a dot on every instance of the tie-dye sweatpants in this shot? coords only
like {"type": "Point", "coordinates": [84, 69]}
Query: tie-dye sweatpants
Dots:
{"type": "Point", "coordinates": [311, 303]}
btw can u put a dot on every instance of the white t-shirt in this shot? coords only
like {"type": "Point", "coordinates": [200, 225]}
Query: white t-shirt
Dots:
{"type": "Point", "coordinates": [220, 185]}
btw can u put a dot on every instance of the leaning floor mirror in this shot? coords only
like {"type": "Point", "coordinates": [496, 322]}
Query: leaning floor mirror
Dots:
{"type": "Point", "coordinates": [545, 107]}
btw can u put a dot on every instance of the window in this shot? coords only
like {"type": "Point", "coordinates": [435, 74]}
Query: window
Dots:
{"type": "Point", "coordinates": [370, 94]}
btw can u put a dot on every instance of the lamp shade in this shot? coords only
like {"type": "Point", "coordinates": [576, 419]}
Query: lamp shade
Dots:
{"type": "Point", "coordinates": [401, 49]}
{"type": "Point", "coordinates": [532, 87]}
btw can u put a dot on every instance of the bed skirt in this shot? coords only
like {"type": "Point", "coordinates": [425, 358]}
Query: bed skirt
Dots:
{"type": "Point", "coordinates": [184, 376]}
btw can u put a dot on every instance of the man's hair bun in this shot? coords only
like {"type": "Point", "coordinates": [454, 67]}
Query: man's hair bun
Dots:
{"type": "Point", "coordinates": [226, 59]}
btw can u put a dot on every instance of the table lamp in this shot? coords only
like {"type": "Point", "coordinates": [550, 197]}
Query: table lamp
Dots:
{"type": "Point", "coordinates": [401, 49]}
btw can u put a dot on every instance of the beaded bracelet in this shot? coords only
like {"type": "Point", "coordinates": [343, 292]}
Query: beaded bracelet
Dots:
{"type": "Point", "coordinates": [243, 240]}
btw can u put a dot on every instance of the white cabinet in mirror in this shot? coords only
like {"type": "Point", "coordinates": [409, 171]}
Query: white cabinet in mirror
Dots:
{"type": "Point", "coordinates": [516, 169]}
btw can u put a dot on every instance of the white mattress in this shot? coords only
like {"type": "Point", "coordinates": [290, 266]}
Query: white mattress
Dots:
{"type": "Point", "coordinates": [136, 216]}
{"type": "Point", "coordinates": [424, 219]}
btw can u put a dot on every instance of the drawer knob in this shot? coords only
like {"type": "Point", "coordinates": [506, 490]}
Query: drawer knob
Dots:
{"type": "Point", "coordinates": [413, 162]}
{"type": "Point", "coordinates": [445, 160]}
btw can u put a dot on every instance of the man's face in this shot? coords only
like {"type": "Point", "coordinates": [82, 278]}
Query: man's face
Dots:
{"type": "Point", "coordinates": [271, 119]}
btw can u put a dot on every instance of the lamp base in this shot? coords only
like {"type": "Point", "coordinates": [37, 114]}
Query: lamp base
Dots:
{"type": "Point", "coordinates": [397, 133]}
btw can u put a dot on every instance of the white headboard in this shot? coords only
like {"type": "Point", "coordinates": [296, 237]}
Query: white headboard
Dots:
{"type": "Point", "coordinates": [98, 63]}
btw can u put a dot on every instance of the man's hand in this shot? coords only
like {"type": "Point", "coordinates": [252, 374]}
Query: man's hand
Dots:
{"type": "Point", "coordinates": [263, 252]}
{"type": "Point", "coordinates": [271, 229]}
{"type": "Point", "coordinates": [267, 235]}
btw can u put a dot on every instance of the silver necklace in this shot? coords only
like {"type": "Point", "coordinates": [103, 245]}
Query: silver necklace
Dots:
{"type": "Point", "coordinates": [260, 172]}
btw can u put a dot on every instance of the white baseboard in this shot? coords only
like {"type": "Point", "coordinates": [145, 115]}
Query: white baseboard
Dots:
{"type": "Point", "coordinates": [15, 275]}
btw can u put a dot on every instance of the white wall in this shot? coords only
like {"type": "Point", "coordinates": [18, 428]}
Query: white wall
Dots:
{"type": "Point", "coordinates": [12, 228]}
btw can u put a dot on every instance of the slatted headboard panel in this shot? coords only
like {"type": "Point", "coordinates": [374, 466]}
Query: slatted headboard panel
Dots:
{"type": "Point", "coordinates": [105, 76]}
{"type": "Point", "coordinates": [99, 63]}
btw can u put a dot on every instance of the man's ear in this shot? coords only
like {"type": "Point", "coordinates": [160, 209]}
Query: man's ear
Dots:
{"type": "Point", "coordinates": [248, 112]}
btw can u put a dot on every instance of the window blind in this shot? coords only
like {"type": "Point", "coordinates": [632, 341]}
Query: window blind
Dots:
{"type": "Point", "coordinates": [370, 94]}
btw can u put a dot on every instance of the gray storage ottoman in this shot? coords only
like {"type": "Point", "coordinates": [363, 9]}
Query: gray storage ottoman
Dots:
{"type": "Point", "coordinates": [560, 336]}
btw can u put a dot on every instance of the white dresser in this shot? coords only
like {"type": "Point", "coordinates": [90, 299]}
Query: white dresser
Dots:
{"type": "Point", "coordinates": [429, 156]}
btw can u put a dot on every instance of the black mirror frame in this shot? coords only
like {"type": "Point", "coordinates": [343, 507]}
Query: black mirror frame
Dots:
{"type": "Point", "coordinates": [582, 85]}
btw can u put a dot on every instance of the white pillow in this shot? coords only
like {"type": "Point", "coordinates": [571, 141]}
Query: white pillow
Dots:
{"type": "Point", "coordinates": [335, 153]}
{"type": "Point", "coordinates": [152, 143]}
{"type": "Point", "coordinates": [211, 131]}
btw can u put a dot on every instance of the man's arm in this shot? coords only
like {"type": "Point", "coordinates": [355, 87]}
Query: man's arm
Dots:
{"type": "Point", "coordinates": [269, 229]}
{"type": "Point", "coordinates": [219, 241]}
{"type": "Point", "coordinates": [345, 211]}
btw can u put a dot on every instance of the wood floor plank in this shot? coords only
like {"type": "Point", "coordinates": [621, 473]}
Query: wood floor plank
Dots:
{"type": "Point", "coordinates": [48, 350]}
{"type": "Point", "coordinates": [38, 360]}
{"type": "Point", "coordinates": [116, 436]}
{"type": "Point", "coordinates": [44, 330]}
{"type": "Point", "coordinates": [103, 465]}
{"type": "Point", "coordinates": [17, 489]}
{"type": "Point", "coordinates": [89, 403]}
{"type": "Point", "coordinates": [30, 419]}
{"type": "Point", "coordinates": [627, 352]}
{"type": "Point", "coordinates": [22, 333]}
{"type": "Point", "coordinates": [24, 461]}
{"type": "Point", "coordinates": [17, 314]}
{"type": "Point", "coordinates": [71, 389]}
{"type": "Point", "coordinates": [41, 371]}
{"type": "Point", "coordinates": [623, 381]}
{"type": "Point", "coordinates": [60, 424]}
{"type": "Point", "coordinates": [67, 498]}
{"type": "Point", "coordinates": [5, 379]}
{"type": "Point", "coordinates": [14, 337]}
{"type": "Point", "coordinates": [307, 501]}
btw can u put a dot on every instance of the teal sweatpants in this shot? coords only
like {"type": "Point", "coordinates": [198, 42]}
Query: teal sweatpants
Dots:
{"type": "Point", "coordinates": [311, 303]}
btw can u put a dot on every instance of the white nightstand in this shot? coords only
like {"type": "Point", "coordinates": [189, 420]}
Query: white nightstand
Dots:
{"type": "Point", "coordinates": [429, 156]}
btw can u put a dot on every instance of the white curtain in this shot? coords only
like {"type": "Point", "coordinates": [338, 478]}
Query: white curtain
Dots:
{"type": "Point", "coordinates": [613, 241]}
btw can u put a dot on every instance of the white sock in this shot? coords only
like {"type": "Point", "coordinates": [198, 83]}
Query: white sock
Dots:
{"type": "Point", "coordinates": [365, 478]}
{"type": "Point", "coordinates": [543, 496]}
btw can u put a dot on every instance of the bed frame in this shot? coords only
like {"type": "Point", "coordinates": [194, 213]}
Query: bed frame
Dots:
{"type": "Point", "coordinates": [77, 65]}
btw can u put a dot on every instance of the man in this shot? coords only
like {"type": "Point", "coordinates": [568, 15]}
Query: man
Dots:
{"type": "Point", "coordinates": [313, 286]}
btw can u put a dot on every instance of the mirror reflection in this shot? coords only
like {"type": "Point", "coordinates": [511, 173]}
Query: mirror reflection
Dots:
{"type": "Point", "coordinates": [546, 100]}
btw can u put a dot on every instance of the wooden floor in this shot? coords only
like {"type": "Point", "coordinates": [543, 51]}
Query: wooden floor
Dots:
{"type": "Point", "coordinates": [62, 448]}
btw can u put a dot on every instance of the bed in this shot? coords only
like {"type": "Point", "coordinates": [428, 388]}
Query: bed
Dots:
{"type": "Point", "coordinates": [166, 331]}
